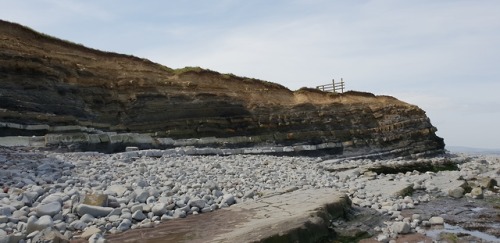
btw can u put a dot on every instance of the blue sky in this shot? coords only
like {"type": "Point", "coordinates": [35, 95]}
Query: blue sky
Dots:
{"type": "Point", "coordinates": [442, 55]}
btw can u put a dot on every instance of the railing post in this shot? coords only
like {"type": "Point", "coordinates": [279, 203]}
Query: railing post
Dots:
{"type": "Point", "coordinates": [342, 85]}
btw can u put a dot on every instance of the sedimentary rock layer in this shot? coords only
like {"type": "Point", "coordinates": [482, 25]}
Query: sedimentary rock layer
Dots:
{"type": "Point", "coordinates": [51, 86]}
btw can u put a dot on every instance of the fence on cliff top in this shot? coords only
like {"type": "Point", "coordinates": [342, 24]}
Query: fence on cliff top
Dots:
{"type": "Point", "coordinates": [333, 87]}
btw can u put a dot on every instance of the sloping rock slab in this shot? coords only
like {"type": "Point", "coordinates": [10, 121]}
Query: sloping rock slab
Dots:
{"type": "Point", "coordinates": [299, 216]}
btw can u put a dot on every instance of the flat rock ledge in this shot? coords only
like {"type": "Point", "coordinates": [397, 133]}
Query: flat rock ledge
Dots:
{"type": "Point", "coordinates": [297, 216]}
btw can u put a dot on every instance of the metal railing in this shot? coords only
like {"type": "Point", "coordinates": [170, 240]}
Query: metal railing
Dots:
{"type": "Point", "coordinates": [333, 87]}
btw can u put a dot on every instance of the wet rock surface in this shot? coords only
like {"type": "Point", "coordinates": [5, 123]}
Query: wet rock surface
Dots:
{"type": "Point", "coordinates": [467, 213]}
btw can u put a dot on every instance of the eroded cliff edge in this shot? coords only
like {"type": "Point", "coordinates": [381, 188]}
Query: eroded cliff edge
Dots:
{"type": "Point", "coordinates": [66, 93]}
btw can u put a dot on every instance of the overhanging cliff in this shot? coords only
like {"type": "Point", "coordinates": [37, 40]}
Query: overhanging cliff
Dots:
{"type": "Point", "coordinates": [68, 93]}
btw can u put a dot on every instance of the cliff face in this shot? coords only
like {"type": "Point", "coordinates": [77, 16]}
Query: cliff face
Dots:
{"type": "Point", "coordinates": [49, 86]}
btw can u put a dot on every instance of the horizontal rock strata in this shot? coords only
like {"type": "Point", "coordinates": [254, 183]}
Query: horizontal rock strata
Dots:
{"type": "Point", "coordinates": [70, 94]}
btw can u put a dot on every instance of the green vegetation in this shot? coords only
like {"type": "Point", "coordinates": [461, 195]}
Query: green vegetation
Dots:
{"type": "Point", "coordinates": [199, 70]}
{"type": "Point", "coordinates": [449, 237]}
{"type": "Point", "coordinates": [352, 238]}
{"type": "Point", "coordinates": [408, 191]}
{"type": "Point", "coordinates": [445, 165]}
{"type": "Point", "coordinates": [190, 69]}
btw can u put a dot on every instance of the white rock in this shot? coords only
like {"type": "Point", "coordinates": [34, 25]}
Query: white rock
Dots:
{"type": "Point", "coordinates": [142, 196]}
{"type": "Point", "coordinates": [35, 224]}
{"type": "Point", "coordinates": [51, 208]}
{"type": "Point", "coordinates": [138, 207]}
{"type": "Point", "coordinates": [77, 225]}
{"type": "Point", "coordinates": [456, 192]}
{"type": "Point", "coordinates": [165, 217]}
{"type": "Point", "coordinates": [31, 196]}
{"type": "Point", "coordinates": [6, 210]}
{"type": "Point", "coordinates": [199, 203]}
{"type": "Point", "coordinates": [477, 193]}
{"type": "Point", "coordinates": [229, 199]}
{"type": "Point", "coordinates": [159, 209]}
{"type": "Point", "coordinates": [126, 215]}
{"type": "Point", "coordinates": [49, 235]}
{"type": "Point", "coordinates": [400, 227]}
{"type": "Point", "coordinates": [116, 211]}
{"type": "Point", "coordinates": [150, 200]}
{"type": "Point", "coordinates": [124, 225]}
{"type": "Point", "coordinates": [383, 238]}
{"type": "Point", "coordinates": [179, 213]}
{"type": "Point", "coordinates": [61, 226]}
{"type": "Point", "coordinates": [119, 190]}
{"type": "Point", "coordinates": [396, 207]}
{"type": "Point", "coordinates": [97, 238]}
{"type": "Point", "coordinates": [88, 232]}
{"type": "Point", "coordinates": [114, 218]}
{"type": "Point", "coordinates": [4, 238]}
{"type": "Point", "coordinates": [138, 215]}
{"type": "Point", "coordinates": [180, 203]}
{"type": "Point", "coordinates": [56, 197]}
{"type": "Point", "coordinates": [87, 218]}
{"type": "Point", "coordinates": [436, 221]}
{"type": "Point", "coordinates": [249, 194]}
{"type": "Point", "coordinates": [95, 211]}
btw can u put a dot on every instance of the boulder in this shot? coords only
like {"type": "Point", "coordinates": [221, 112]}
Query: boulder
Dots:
{"type": "Point", "coordinates": [138, 207]}
{"type": "Point", "coordinates": [41, 223]}
{"type": "Point", "coordinates": [4, 238]}
{"type": "Point", "coordinates": [16, 237]}
{"type": "Point", "coordinates": [138, 215]}
{"type": "Point", "coordinates": [487, 183]}
{"type": "Point", "coordinates": [31, 196]}
{"type": "Point", "coordinates": [142, 195]}
{"type": "Point", "coordinates": [96, 200]}
{"type": "Point", "coordinates": [457, 192]}
{"type": "Point", "coordinates": [199, 203]}
{"type": "Point", "coordinates": [124, 225]}
{"type": "Point", "coordinates": [401, 227]}
{"type": "Point", "coordinates": [77, 225]}
{"type": "Point", "coordinates": [50, 235]}
{"type": "Point", "coordinates": [95, 211]}
{"type": "Point", "coordinates": [97, 238]}
{"type": "Point", "coordinates": [56, 197]}
{"type": "Point", "coordinates": [6, 210]}
{"type": "Point", "coordinates": [159, 209]}
{"type": "Point", "coordinates": [87, 218]}
{"type": "Point", "coordinates": [436, 221]}
{"type": "Point", "coordinates": [477, 193]}
{"type": "Point", "coordinates": [88, 232]}
{"type": "Point", "coordinates": [229, 199]}
{"type": "Point", "coordinates": [51, 209]}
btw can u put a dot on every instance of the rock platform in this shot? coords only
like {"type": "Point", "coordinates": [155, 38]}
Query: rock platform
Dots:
{"type": "Point", "coordinates": [301, 215]}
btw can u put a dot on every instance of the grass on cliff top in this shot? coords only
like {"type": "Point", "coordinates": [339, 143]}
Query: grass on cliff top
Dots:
{"type": "Point", "coordinates": [227, 76]}
{"type": "Point", "coordinates": [28, 34]}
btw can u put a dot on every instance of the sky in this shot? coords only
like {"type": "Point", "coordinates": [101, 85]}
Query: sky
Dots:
{"type": "Point", "coordinates": [441, 55]}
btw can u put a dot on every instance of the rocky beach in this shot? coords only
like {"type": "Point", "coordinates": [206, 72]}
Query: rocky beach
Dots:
{"type": "Point", "coordinates": [93, 196]}
{"type": "Point", "coordinates": [98, 146]}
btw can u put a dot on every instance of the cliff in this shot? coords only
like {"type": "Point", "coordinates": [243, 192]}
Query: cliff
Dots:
{"type": "Point", "coordinates": [67, 93]}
